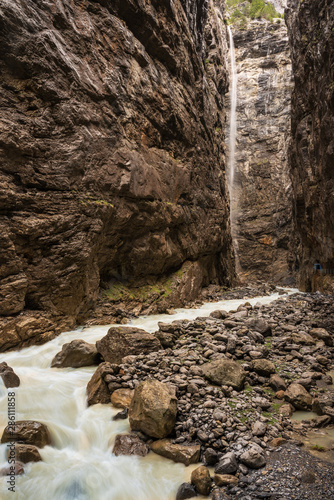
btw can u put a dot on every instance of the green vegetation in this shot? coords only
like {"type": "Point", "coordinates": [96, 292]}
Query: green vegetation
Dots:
{"type": "Point", "coordinates": [241, 11]}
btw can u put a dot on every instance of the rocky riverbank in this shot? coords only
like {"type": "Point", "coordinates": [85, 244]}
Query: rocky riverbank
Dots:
{"type": "Point", "coordinates": [237, 377]}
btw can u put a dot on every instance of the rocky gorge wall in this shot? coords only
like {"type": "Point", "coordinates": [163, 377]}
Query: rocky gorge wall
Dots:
{"type": "Point", "coordinates": [311, 155]}
{"type": "Point", "coordinates": [112, 160]}
{"type": "Point", "coordinates": [261, 203]}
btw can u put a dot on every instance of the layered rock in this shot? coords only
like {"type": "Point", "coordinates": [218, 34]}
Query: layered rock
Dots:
{"type": "Point", "coordinates": [261, 205]}
{"type": "Point", "coordinates": [112, 162]}
{"type": "Point", "coordinates": [311, 155]}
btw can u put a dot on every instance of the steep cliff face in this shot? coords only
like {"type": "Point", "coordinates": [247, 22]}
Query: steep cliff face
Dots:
{"type": "Point", "coordinates": [111, 159]}
{"type": "Point", "coordinates": [261, 205]}
{"type": "Point", "coordinates": [311, 34]}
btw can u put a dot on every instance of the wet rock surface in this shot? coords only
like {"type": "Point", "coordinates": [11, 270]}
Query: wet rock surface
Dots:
{"type": "Point", "coordinates": [261, 197]}
{"type": "Point", "coordinates": [9, 377]}
{"type": "Point", "coordinates": [27, 432]}
{"type": "Point", "coordinates": [75, 354]}
{"type": "Point", "coordinates": [129, 444]}
{"type": "Point", "coordinates": [311, 154]}
{"type": "Point", "coordinates": [112, 164]}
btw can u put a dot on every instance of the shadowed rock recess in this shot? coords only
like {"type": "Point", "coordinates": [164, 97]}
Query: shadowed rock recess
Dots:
{"type": "Point", "coordinates": [310, 27]}
{"type": "Point", "coordinates": [112, 159]}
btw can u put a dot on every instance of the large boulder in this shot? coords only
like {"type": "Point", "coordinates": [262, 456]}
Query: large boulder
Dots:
{"type": "Point", "coordinates": [129, 444]}
{"type": "Point", "coordinates": [259, 325]}
{"type": "Point", "coordinates": [225, 372]}
{"type": "Point", "coordinates": [27, 432]}
{"type": "Point", "coordinates": [97, 388]}
{"type": "Point", "coordinates": [125, 341]}
{"type": "Point", "coordinates": [9, 377]}
{"type": "Point", "coordinates": [76, 354]}
{"type": "Point", "coordinates": [121, 398]}
{"type": "Point", "coordinates": [201, 479]}
{"type": "Point", "coordinates": [263, 367]}
{"type": "Point", "coordinates": [298, 396]}
{"type": "Point", "coordinates": [177, 452]}
{"type": "Point", "coordinates": [253, 459]}
{"type": "Point", "coordinates": [153, 409]}
{"type": "Point", "coordinates": [322, 334]}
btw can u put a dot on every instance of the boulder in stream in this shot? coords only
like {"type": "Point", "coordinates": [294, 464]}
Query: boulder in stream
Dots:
{"type": "Point", "coordinates": [186, 490]}
{"type": "Point", "coordinates": [27, 432]}
{"type": "Point", "coordinates": [25, 453]}
{"type": "Point", "coordinates": [153, 409]}
{"type": "Point", "coordinates": [201, 479]}
{"type": "Point", "coordinates": [125, 341]}
{"type": "Point", "coordinates": [129, 444]}
{"type": "Point", "coordinates": [97, 388]}
{"type": "Point", "coordinates": [9, 377]}
{"type": "Point", "coordinates": [177, 452]}
{"type": "Point", "coordinates": [76, 354]}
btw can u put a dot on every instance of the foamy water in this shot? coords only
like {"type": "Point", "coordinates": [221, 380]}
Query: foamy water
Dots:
{"type": "Point", "coordinates": [80, 464]}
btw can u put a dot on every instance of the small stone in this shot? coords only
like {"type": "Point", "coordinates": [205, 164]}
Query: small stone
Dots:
{"type": "Point", "coordinates": [253, 459]}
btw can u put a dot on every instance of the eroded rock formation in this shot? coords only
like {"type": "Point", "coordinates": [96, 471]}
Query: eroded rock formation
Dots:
{"type": "Point", "coordinates": [310, 26]}
{"type": "Point", "coordinates": [112, 161]}
{"type": "Point", "coordinates": [261, 204]}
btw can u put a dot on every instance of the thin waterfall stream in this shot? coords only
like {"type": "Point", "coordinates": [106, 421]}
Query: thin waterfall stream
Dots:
{"type": "Point", "coordinates": [232, 145]}
{"type": "Point", "coordinates": [80, 465]}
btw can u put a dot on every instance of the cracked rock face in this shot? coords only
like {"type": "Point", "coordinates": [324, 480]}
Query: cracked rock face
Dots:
{"type": "Point", "coordinates": [112, 161]}
{"type": "Point", "coordinates": [311, 155]}
{"type": "Point", "coordinates": [261, 201]}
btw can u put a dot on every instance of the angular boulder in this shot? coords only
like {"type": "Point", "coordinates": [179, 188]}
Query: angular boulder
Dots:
{"type": "Point", "coordinates": [225, 479]}
{"type": "Point", "coordinates": [259, 325]}
{"type": "Point", "coordinates": [125, 341]}
{"type": "Point", "coordinates": [129, 444]}
{"type": "Point", "coordinates": [27, 432]}
{"type": "Point", "coordinates": [76, 354]}
{"type": "Point", "coordinates": [253, 459]}
{"type": "Point", "coordinates": [298, 396]}
{"type": "Point", "coordinates": [227, 464]}
{"type": "Point", "coordinates": [201, 479]}
{"type": "Point", "coordinates": [9, 377]}
{"type": "Point", "coordinates": [97, 389]}
{"type": "Point", "coordinates": [277, 383]}
{"type": "Point", "coordinates": [263, 367]}
{"type": "Point", "coordinates": [177, 452]}
{"type": "Point", "coordinates": [153, 409]}
{"type": "Point", "coordinates": [322, 334]}
{"type": "Point", "coordinates": [121, 398]}
{"type": "Point", "coordinates": [225, 372]}
{"type": "Point", "coordinates": [186, 490]}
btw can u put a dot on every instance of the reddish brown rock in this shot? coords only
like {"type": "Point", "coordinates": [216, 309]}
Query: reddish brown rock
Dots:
{"type": "Point", "coordinates": [129, 444]}
{"type": "Point", "coordinates": [9, 377]}
{"type": "Point", "coordinates": [177, 452]}
{"type": "Point", "coordinates": [121, 398]}
{"type": "Point", "coordinates": [25, 453]}
{"type": "Point", "coordinates": [97, 389]}
{"type": "Point", "coordinates": [153, 409]}
{"type": "Point", "coordinates": [27, 432]}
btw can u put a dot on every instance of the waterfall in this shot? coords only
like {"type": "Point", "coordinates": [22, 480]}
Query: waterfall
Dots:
{"type": "Point", "coordinates": [233, 109]}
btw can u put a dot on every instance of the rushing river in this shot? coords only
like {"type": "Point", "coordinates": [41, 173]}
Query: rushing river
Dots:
{"type": "Point", "coordinates": [80, 464]}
